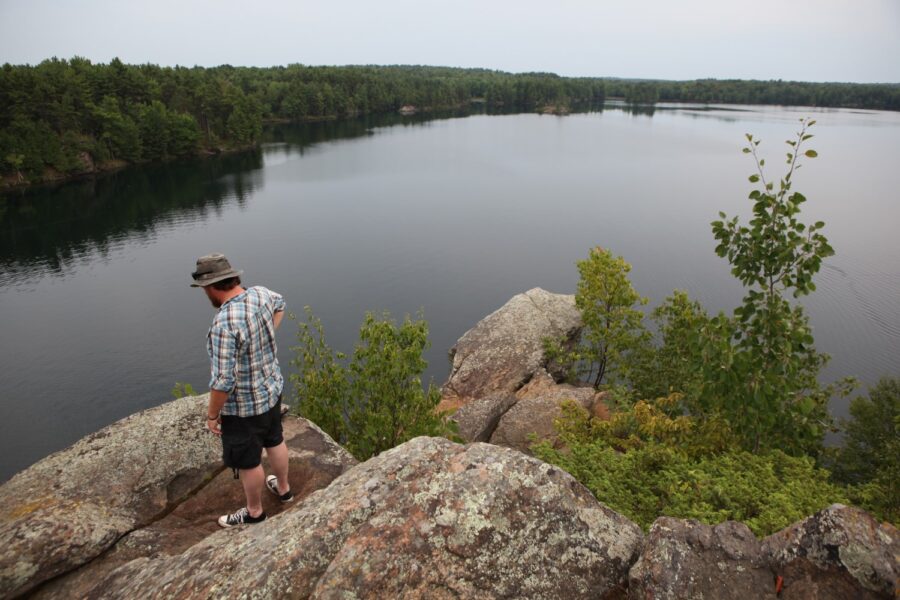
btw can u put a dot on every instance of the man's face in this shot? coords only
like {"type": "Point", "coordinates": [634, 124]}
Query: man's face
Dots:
{"type": "Point", "coordinates": [210, 293]}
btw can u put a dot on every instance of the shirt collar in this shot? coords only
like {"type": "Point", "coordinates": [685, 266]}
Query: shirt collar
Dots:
{"type": "Point", "coordinates": [224, 304]}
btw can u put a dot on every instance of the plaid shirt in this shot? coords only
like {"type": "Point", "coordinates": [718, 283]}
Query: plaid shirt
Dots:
{"type": "Point", "coordinates": [243, 354]}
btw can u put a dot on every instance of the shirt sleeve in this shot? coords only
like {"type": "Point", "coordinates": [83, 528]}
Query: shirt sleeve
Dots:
{"type": "Point", "coordinates": [222, 358]}
{"type": "Point", "coordinates": [278, 299]}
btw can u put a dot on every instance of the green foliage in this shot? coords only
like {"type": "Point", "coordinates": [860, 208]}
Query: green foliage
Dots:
{"type": "Point", "coordinates": [245, 121]}
{"type": "Point", "coordinates": [184, 136]}
{"type": "Point", "coordinates": [376, 401]}
{"type": "Point", "coordinates": [736, 396]}
{"type": "Point", "coordinates": [872, 436]}
{"type": "Point", "coordinates": [869, 457]}
{"type": "Point", "coordinates": [672, 364]}
{"type": "Point", "coordinates": [645, 464]}
{"type": "Point", "coordinates": [182, 389]}
{"type": "Point", "coordinates": [118, 134]}
{"type": "Point", "coordinates": [760, 367]}
{"type": "Point", "coordinates": [154, 130]}
{"type": "Point", "coordinates": [15, 162]}
{"type": "Point", "coordinates": [793, 93]}
{"type": "Point", "coordinates": [658, 421]}
{"type": "Point", "coordinates": [642, 93]}
{"type": "Point", "coordinates": [321, 385]}
{"type": "Point", "coordinates": [613, 326]}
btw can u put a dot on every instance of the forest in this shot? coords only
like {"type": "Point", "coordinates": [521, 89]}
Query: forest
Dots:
{"type": "Point", "coordinates": [62, 118]}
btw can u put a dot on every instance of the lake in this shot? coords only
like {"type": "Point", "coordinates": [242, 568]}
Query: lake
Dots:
{"type": "Point", "coordinates": [450, 214]}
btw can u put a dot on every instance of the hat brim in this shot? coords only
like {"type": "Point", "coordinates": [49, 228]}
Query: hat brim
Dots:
{"type": "Point", "coordinates": [217, 278]}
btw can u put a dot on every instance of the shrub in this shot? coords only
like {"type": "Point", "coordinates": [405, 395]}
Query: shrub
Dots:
{"type": "Point", "coordinates": [613, 327]}
{"type": "Point", "coordinates": [673, 363]}
{"type": "Point", "coordinates": [678, 467]}
{"type": "Point", "coordinates": [868, 458]}
{"type": "Point", "coordinates": [375, 400]}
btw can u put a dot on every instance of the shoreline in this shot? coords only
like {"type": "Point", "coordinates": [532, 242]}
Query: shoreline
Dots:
{"type": "Point", "coordinates": [52, 179]}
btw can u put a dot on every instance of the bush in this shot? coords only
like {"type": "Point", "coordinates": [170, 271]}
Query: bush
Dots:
{"type": "Point", "coordinates": [673, 364]}
{"type": "Point", "coordinates": [678, 467]}
{"type": "Point", "coordinates": [868, 459]}
{"type": "Point", "coordinates": [375, 401]}
{"type": "Point", "coordinates": [613, 330]}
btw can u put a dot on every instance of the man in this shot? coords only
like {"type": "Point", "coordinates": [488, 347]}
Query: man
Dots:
{"type": "Point", "coordinates": [246, 383]}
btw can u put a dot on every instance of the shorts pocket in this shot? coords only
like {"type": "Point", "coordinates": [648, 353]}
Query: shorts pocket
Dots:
{"type": "Point", "coordinates": [242, 455]}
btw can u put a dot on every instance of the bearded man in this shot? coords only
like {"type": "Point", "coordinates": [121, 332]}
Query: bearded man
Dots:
{"type": "Point", "coordinates": [245, 384]}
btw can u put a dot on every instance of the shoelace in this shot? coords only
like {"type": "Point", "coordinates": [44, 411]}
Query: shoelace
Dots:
{"type": "Point", "coordinates": [239, 516]}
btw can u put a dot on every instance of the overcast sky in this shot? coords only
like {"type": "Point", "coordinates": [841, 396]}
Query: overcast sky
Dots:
{"type": "Point", "coordinates": [808, 40]}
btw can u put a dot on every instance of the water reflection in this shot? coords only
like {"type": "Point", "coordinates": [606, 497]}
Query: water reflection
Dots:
{"type": "Point", "coordinates": [46, 230]}
{"type": "Point", "coordinates": [43, 231]}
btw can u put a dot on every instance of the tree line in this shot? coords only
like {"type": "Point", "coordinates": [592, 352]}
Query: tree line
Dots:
{"type": "Point", "coordinates": [63, 117]}
{"type": "Point", "coordinates": [874, 96]}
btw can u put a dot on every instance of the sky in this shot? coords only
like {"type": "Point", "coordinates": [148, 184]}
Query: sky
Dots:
{"type": "Point", "coordinates": [804, 40]}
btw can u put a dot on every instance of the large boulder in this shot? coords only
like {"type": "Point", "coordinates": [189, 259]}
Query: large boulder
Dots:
{"type": "Point", "coordinates": [68, 508]}
{"type": "Point", "coordinates": [687, 559]}
{"type": "Point", "coordinates": [538, 404]}
{"type": "Point", "coordinates": [315, 461]}
{"type": "Point", "coordinates": [504, 350]}
{"type": "Point", "coordinates": [840, 552]}
{"type": "Point", "coordinates": [428, 519]}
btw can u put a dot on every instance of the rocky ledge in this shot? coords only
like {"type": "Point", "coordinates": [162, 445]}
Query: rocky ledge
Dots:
{"type": "Point", "coordinates": [433, 519]}
{"type": "Point", "coordinates": [149, 485]}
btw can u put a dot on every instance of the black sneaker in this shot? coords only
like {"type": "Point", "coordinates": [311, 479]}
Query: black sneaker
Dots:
{"type": "Point", "coordinates": [241, 517]}
{"type": "Point", "coordinates": [272, 485]}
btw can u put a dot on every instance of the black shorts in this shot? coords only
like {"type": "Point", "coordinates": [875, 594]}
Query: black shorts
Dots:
{"type": "Point", "coordinates": [243, 438]}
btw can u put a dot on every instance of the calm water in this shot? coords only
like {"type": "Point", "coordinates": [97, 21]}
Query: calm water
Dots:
{"type": "Point", "coordinates": [452, 216]}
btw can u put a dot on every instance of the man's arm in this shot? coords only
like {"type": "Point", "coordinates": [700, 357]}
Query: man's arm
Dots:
{"type": "Point", "coordinates": [223, 359]}
{"type": "Point", "coordinates": [278, 309]}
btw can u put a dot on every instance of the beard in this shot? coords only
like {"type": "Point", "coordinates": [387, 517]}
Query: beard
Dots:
{"type": "Point", "coordinates": [216, 303]}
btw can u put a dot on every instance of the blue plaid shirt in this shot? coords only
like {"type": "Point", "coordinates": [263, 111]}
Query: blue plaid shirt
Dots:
{"type": "Point", "coordinates": [243, 354]}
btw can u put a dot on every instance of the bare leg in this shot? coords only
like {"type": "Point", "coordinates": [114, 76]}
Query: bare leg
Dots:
{"type": "Point", "coordinates": [278, 459]}
{"type": "Point", "coordinates": [253, 481]}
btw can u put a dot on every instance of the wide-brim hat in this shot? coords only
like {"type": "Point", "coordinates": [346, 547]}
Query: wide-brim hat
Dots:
{"type": "Point", "coordinates": [211, 269]}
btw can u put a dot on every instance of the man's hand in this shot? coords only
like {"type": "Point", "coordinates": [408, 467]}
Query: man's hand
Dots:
{"type": "Point", "coordinates": [216, 402]}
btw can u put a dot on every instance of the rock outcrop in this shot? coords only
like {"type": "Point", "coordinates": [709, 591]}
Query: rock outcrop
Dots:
{"type": "Point", "coordinates": [537, 406]}
{"type": "Point", "coordinates": [428, 519]}
{"type": "Point", "coordinates": [504, 350]}
{"type": "Point", "coordinates": [71, 506]}
{"type": "Point", "coordinates": [840, 552]}
{"type": "Point", "coordinates": [150, 484]}
{"type": "Point", "coordinates": [501, 354]}
{"type": "Point", "coordinates": [687, 559]}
